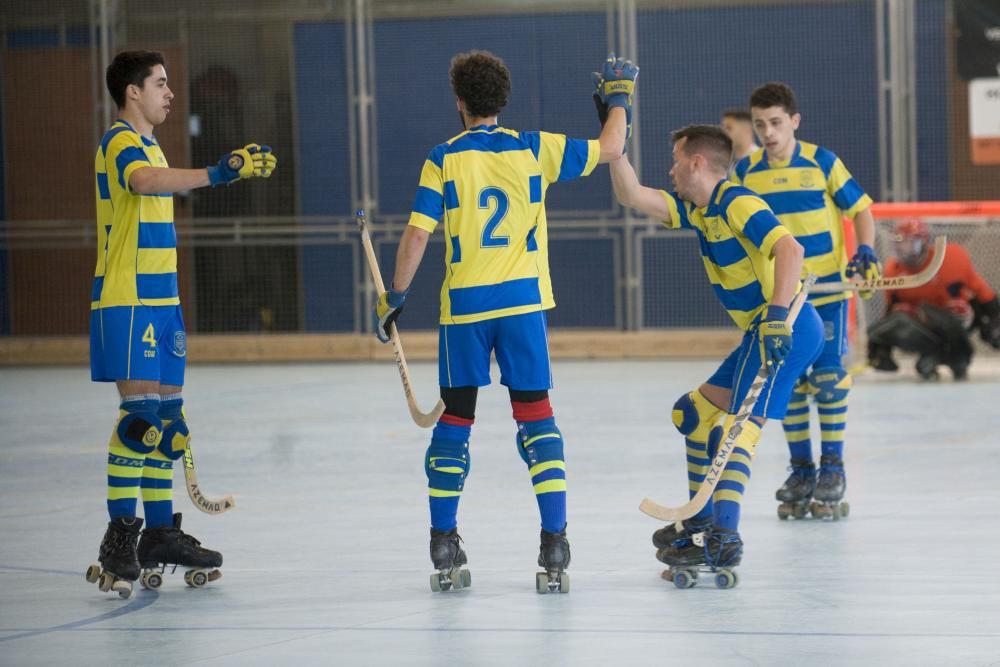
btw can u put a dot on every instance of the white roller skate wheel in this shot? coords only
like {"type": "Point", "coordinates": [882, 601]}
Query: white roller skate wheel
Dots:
{"type": "Point", "coordinates": [152, 580]}
{"type": "Point", "coordinates": [123, 588]}
{"type": "Point", "coordinates": [725, 579]}
{"type": "Point", "coordinates": [93, 573]}
{"type": "Point", "coordinates": [105, 581]}
{"type": "Point", "coordinates": [684, 579]}
{"type": "Point", "coordinates": [436, 582]}
{"type": "Point", "coordinates": [214, 575]}
{"type": "Point", "coordinates": [845, 509]}
{"type": "Point", "coordinates": [455, 577]}
{"type": "Point", "coordinates": [564, 583]}
{"type": "Point", "coordinates": [195, 578]}
{"type": "Point", "coordinates": [466, 578]}
{"type": "Point", "coordinates": [542, 582]}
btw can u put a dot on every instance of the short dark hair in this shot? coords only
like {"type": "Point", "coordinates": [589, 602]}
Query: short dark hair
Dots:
{"type": "Point", "coordinates": [774, 94]}
{"type": "Point", "coordinates": [738, 114]}
{"type": "Point", "coordinates": [710, 141]}
{"type": "Point", "coordinates": [482, 81]}
{"type": "Point", "coordinates": [130, 68]}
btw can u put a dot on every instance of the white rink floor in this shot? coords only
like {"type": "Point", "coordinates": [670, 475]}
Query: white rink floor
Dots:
{"type": "Point", "coordinates": [326, 552]}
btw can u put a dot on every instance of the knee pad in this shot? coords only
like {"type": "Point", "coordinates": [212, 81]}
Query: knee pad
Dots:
{"type": "Point", "coordinates": [539, 441]}
{"type": "Point", "coordinates": [175, 439]}
{"type": "Point", "coordinates": [830, 385]}
{"type": "Point", "coordinates": [447, 464]}
{"type": "Point", "coordinates": [139, 431]}
{"type": "Point", "coordinates": [694, 416]}
{"type": "Point", "coordinates": [802, 386]}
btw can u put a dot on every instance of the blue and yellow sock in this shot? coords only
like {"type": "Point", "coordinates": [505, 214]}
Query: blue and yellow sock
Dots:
{"type": "Point", "coordinates": [158, 473]}
{"type": "Point", "coordinates": [695, 417]}
{"type": "Point", "coordinates": [796, 423]}
{"type": "Point", "coordinates": [540, 444]}
{"type": "Point", "coordinates": [447, 465]}
{"type": "Point", "coordinates": [136, 434]}
{"type": "Point", "coordinates": [729, 493]}
{"type": "Point", "coordinates": [831, 385]}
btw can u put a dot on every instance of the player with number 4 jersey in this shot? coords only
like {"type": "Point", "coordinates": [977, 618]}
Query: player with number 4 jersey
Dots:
{"type": "Point", "coordinates": [486, 189]}
{"type": "Point", "coordinates": [137, 334]}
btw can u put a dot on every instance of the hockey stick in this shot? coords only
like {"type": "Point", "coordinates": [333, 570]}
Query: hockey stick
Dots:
{"type": "Point", "coordinates": [206, 505]}
{"type": "Point", "coordinates": [422, 419]}
{"type": "Point", "coordinates": [896, 282]}
{"type": "Point", "coordinates": [707, 488]}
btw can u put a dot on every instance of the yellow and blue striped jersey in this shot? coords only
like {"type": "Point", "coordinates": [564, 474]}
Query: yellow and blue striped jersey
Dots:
{"type": "Point", "coordinates": [736, 233]}
{"type": "Point", "coordinates": [136, 240]}
{"type": "Point", "coordinates": [809, 194]}
{"type": "Point", "coordinates": [488, 185]}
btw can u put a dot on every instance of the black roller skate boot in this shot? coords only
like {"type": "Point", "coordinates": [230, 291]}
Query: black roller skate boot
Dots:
{"type": "Point", "coordinates": [169, 546]}
{"type": "Point", "coordinates": [448, 558]}
{"type": "Point", "coordinates": [667, 535]}
{"type": "Point", "coordinates": [927, 367]}
{"type": "Point", "coordinates": [829, 490]}
{"type": "Point", "coordinates": [119, 566]}
{"type": "Point", "coordinates": [553, 555]}
{"type": "Point", "coordinates": [797, 490]}
{"type": "Point", "coordinates": [880, 358]}
{"type": "Point", "coordinates": [716, 550]}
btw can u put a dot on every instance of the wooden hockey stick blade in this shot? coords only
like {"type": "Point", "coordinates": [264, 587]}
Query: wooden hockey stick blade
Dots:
{"type": "Point", "coordinates": [714, 474]}
{"type": "Point", "coordinates": [206, 505]}
{"type": "Point", "coordinates": [420, 418]}
{"type": "Point", "coordinates": [896, 282]}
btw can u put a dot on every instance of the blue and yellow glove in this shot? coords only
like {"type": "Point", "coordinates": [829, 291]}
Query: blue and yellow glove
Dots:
{"type": "Point", "coordinates": [386, 312]}
{"type": "Point", "coordinates": [775, 338]}
{"type": "Point", "coordinates": [251, 161]}
{"type": "Point", "coordinates": [866, 266]}
{"type": "Point", "coordinates": [613, 87]}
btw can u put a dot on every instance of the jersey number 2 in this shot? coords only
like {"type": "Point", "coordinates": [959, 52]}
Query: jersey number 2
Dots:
{"type": "Point", "coordinates": [502, 203]}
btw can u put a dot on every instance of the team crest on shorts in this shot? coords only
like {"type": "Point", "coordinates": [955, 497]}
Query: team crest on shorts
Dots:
{"type": "Point", "coordinates": [180, 343]}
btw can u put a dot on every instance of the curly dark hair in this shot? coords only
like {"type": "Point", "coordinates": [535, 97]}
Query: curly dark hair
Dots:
{"type": "Point", "coordinates": [482, 81]}
{"type": "Point", "coordinates": [774, 94]}
{"type": "Point", "coordinates": [130, 68]}
{"type": "Point", "coordinates": [707, 140]}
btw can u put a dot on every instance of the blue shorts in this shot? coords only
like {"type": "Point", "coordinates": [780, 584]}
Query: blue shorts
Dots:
{"type": "Point", "coordinates": [834, 316]}
{"type": "Point", "coordinates": [740, 368]}
{"type": "Point", "coordinates": [138, 343]}
{"type": "Point", "coordinates": [521, 345]}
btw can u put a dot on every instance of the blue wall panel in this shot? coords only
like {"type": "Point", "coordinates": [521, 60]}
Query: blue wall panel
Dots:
{"type": "Point", "coordinates": [933, 93]}
{"type": "Point", "coordinates": [697, 62]}
{"type": "Point", "coordinates": [550, 58]}
{"type": "Point", "coordinates": [323, 171]}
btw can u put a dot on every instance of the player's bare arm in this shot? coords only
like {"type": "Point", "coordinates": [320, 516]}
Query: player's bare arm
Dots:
{"type": "Point", "coordinates": [633, 194]}
{"type": "Point", "coordinates": [864, 227]}
{"type": "Point", "coordinates": [153, 180]}
{"type": "Point", "coordinates": [788, 255]}
{"type": "Point", "coordinates": [411, 250]}
{"type": "Point", "coordinates": [612, 136]}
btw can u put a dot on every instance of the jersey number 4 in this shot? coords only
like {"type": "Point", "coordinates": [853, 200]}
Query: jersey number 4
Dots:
{"type": "Point", "coordinates": [501, 203]}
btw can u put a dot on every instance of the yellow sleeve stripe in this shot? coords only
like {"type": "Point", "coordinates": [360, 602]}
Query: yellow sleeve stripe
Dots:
{"type": "Point", "coordinates": [546, 465]}
{"type": "Point", "coordinates": [864, 202]}
{"type": "Point", "coordinates": [772, 237]}
{"type": "Point", "coordinates": [550, 486]}
{"type": "Point", "coordinates": [421, 221]}
{"type": "Point", "coordinates": [673, 222]}
{"type": "Point", "coordinates": [593, 155]}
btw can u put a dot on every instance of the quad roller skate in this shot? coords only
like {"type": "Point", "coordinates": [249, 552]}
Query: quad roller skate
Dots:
{"type": "Point", "coordinates": [119, 566]}
{"type": "Point", "coordinates": [717, 551]}
{"type": "Point", "coordinates": [170, 547]}
{"type": "Point", "coordinates": [797, 490]}
{"type": "Point", "coordinates": [667, 535]}
{"type": "Point", "coordinates": [553, 555]}
{"type": "Point", "coordinates": [448, 558]}
{"type": "Point", "coordinates": [830, 487]}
